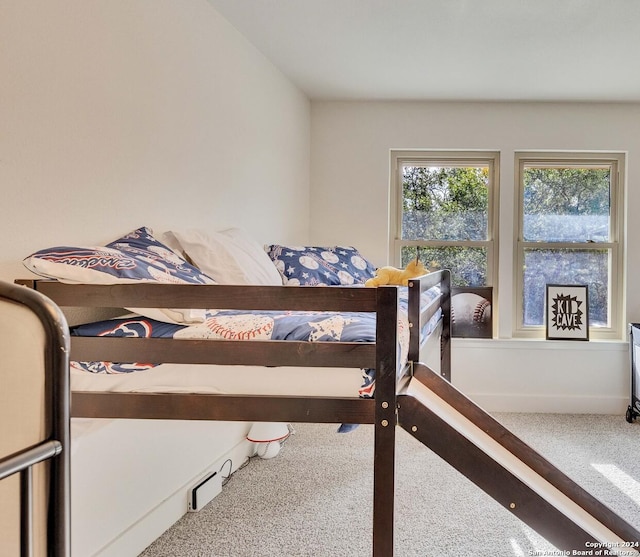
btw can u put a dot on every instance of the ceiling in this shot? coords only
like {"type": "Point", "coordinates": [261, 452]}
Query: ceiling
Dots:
{"type": "Point", "coordinates": [461, 50]}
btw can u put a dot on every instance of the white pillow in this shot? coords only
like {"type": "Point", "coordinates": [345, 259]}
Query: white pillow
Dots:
{"type": "Point", "coordinates": [228, 257]}
{"type": "Point", "coordinates": [263, 271]}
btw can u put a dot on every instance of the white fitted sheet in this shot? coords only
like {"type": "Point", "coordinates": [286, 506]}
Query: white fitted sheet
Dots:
{"type": "Point", "coordinates": [221, 379]}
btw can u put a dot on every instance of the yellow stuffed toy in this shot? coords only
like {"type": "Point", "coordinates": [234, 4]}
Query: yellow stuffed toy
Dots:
{"type": "Point", "coordinates": [400, 277]}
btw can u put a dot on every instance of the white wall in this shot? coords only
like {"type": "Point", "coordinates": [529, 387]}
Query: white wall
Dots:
{"type": "Point", "coordinates": [120, 113]}
{"type": "Point", "coordinates": [350, 189]}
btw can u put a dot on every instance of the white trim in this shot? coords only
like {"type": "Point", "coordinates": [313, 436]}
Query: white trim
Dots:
{"type": "Point", "coordinates": [616, 246]}
{"type": "Point", "coordinates": [139, 535]}
{"type": "Point", "coordinates": [518, 403]}
{"type": "Point", "coordinates": [460, 158]}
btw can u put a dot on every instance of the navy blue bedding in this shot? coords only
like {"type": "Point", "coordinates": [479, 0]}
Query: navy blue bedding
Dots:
{"type": "Point", "coordinates": [260, 325]}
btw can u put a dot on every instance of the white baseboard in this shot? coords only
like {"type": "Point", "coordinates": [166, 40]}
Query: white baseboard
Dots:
{"type": "Point", "coordinates": [546, 404]}
{"type": "Point", "coordinates": [142, 533]}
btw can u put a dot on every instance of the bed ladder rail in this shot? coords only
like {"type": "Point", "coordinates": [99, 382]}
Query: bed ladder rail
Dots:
{"type": "Point", "coordinates": [47, 325]}
{"type": "Point", "coordinates": [419, 316]}
{"type": "Point", "coordinates": [22, 463]}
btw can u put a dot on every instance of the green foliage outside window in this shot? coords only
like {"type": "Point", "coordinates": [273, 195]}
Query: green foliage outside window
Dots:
{"type": "Point", "coordinates": [566, 204]}
{"type": "Point", "coordinates": [447, 204]}
{"type": "Point", "coordinates": [569, 205]}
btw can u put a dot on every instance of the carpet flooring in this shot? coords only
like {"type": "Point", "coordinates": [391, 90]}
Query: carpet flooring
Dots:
{"type": "Point", "coordinates": [315, 498]}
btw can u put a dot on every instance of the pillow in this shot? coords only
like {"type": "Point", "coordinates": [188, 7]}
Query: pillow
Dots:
{"type": "Point", "coordinates": [320, 266]}
{"type": "Point", "coordinates": [136, 257]}
{"type": "Point", "coordinates": [263, 271]}
{"type": "Point", "coordinates": [228, 257]}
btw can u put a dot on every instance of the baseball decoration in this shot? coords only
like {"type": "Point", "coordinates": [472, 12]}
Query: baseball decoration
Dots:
{"type": "Point", "coordinates": [471, 313]}
{"type": "Point", "coordinates": [231, 326]}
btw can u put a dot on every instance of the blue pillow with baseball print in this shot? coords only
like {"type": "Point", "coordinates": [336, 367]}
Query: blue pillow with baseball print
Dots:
{"type": "Point", "coordinates": [136, 257]}
{"type": "Point", "coordinates": [320, 266]}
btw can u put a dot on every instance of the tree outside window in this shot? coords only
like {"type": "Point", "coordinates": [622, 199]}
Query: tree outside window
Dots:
{"type": "Point", "coordinates": [569, 233]}
{"type": "Point", "coordinates": [445, 213]}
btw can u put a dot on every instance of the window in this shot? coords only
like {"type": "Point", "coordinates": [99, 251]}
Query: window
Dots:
{"type": "Point", "coordinates": [569, 222]}
{"type": "Point", "coordinates": [443, 210]}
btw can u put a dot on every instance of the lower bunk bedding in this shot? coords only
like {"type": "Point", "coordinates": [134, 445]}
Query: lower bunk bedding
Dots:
{"type": "Point", "coordinates": [236, 325]}
{"type": "Point", "coordinates": [269, 353]}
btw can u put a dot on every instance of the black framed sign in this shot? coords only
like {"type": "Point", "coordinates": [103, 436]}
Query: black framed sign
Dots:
{"type": "Point", "coordinates": [567, 312]}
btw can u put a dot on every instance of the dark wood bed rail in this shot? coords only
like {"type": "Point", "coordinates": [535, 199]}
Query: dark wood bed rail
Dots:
{"type": "Point", "coordinates": [155, 295]}
{"type": "Point", "coordinates": [251, 408]}
{"type": "Point", "coordinates": [419, 316]}
{"type": "Point", "coordinates": [273, 353]}
{"type": "Point", "coordinates": [224, 352]}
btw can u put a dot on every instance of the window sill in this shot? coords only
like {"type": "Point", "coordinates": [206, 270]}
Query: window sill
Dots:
{"type": "Point", "coordinates": [616, 345]}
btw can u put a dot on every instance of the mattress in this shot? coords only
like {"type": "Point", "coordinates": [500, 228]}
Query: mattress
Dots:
{"type": "Point", "coordinates": [221, 379]}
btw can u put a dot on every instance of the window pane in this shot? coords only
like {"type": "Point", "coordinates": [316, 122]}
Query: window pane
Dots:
{"type": "Point", "coordinates": [441, 203]}
{"type": "Point", "coordinates": [468, 266]}
{"type": "Point", "coordinates": [566, 204]}
{"type": "Point", "coordinates": [563, 266]}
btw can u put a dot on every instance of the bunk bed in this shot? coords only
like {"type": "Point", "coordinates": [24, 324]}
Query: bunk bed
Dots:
{"type": "Point", "coordinates": [34, 439]}
{"type": "Point", "coordinates": [383, 356]}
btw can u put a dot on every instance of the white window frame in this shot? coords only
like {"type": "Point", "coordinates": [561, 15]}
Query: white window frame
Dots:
{"type": "Point", "coordinates": [491, 159]}
{"type": "Point", "coordinates": [616, 305]}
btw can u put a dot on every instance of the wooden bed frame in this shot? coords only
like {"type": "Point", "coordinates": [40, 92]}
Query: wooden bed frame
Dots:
{"type": "Point", "coordinates": [381, 355]}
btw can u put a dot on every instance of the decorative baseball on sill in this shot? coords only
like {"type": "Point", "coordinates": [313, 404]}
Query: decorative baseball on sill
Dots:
{"type": "Point", "coordinates": [470, 312]}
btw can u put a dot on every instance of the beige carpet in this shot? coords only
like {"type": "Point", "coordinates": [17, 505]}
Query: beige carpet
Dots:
{"type": "Point", "coordinates": [315, 498]}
